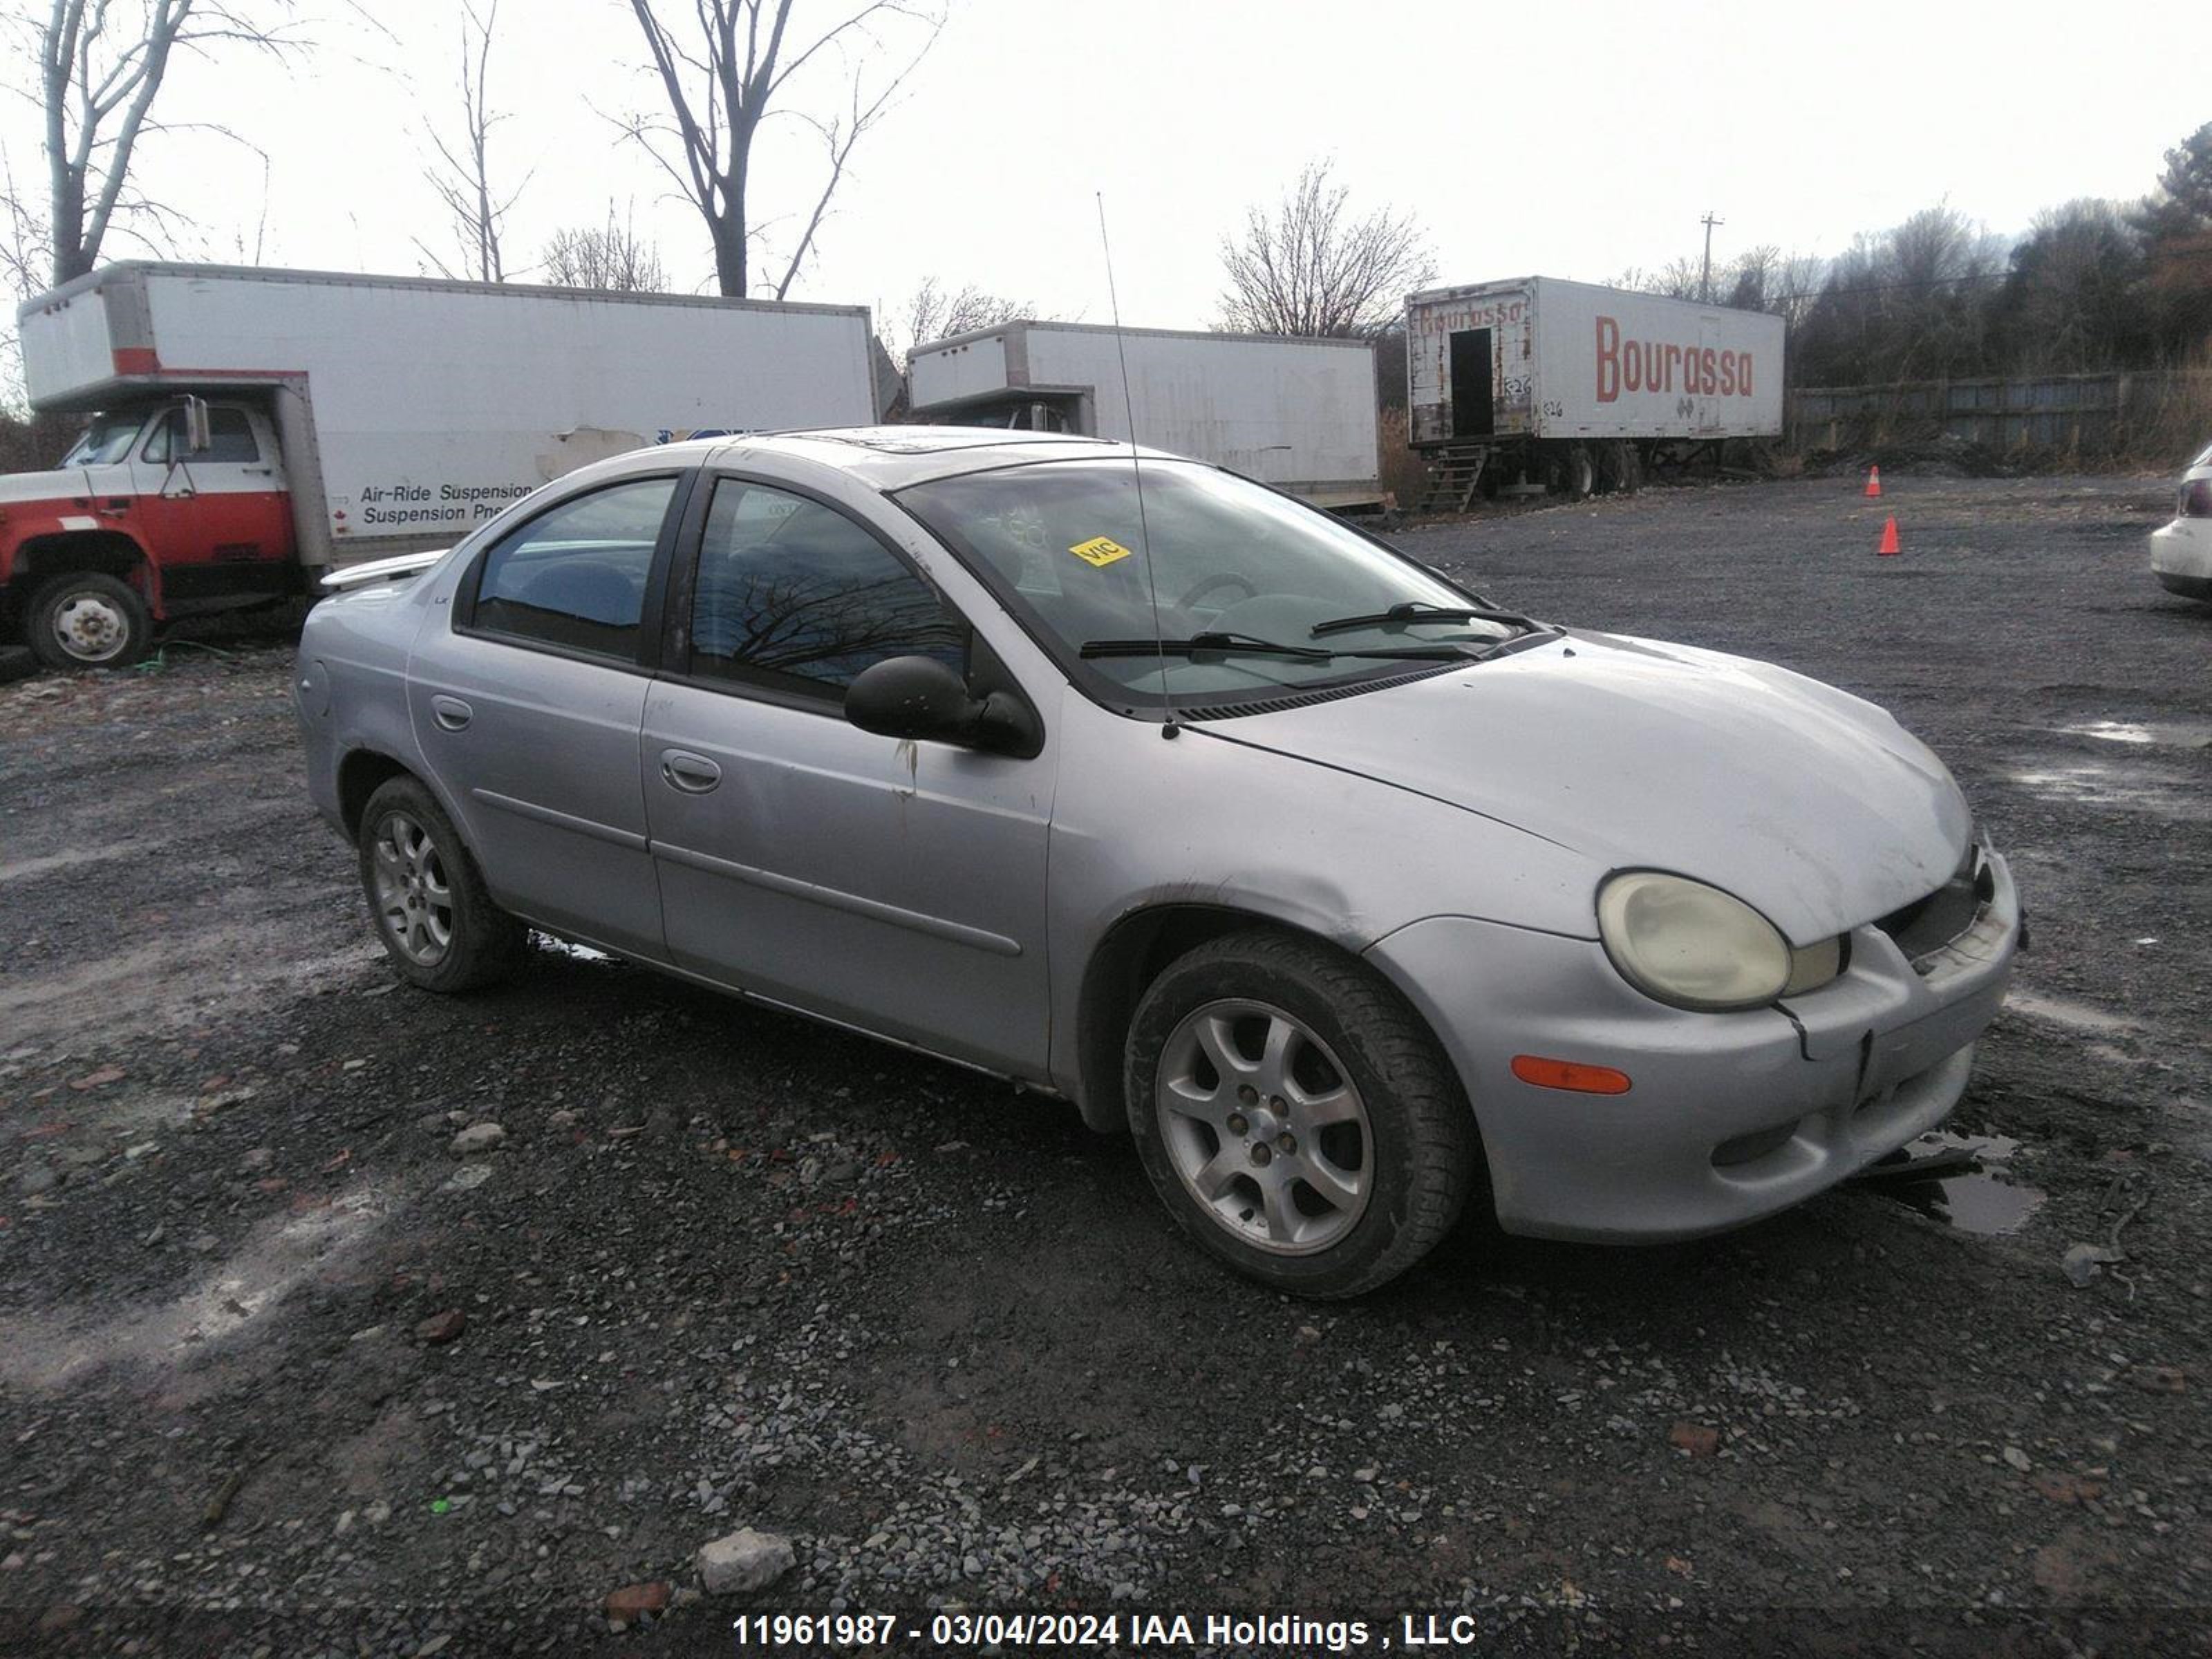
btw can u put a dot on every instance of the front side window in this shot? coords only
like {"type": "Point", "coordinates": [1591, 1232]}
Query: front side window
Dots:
{"type": "Point", "coordinates": [230, 437]}
{"type": "Point", "coordinates": [793, 594]}
{"type": "Point", "coordinates": [575, 576]}
{"type": "Point", "coordinates": [1063, 544]}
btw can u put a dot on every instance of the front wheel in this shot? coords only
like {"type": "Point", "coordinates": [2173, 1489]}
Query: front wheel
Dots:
{"type": "Point", "coordinates": [88, 619]}
{"type": "Point", "coordinates": [1295, 1116]}
{"type": "Point", "coordinates": [437, 922]}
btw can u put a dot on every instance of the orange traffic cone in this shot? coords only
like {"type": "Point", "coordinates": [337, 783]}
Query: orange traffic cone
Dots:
{"type": "Point", "coordinates": [1873, 481]}
{"type": "Point", "coordinates": [1888, 549]}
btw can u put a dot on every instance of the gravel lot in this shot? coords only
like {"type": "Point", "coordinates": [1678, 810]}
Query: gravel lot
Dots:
{"type": "Point", "coordinates": [285, 1371]}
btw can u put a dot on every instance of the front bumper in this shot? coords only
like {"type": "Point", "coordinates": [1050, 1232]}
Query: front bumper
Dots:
{"type": "Point", "coordinates": [1730, 1117]}
{"type": "Point", "coordinates": [2181, 557]}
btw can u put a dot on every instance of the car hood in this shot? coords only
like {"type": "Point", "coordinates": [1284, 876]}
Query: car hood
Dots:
{"type": "Point", "coordinates": [1812, 805]}
{"type": "Point", "coordinates": [61, 484]}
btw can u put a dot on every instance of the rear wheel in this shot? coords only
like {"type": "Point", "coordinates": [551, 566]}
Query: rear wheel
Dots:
{"type": "Point", "coordinates": [88, 619]}
{"type": "Point", "coordinates": [1295, 1115]}
{"type": "Point", "coordinates": [426, 897]}
{"type": "Point", "coordinates": [1617, 472]}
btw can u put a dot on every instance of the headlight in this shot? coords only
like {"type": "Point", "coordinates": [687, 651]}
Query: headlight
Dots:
{"type": "Point", "coordinates": [1697, 947]}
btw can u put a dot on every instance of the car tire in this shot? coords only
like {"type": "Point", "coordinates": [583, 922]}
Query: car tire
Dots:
{"type": "Point", "coordinates": [426, 899]}
{"type": "Point", "coordinates": [1616, 468]}
{"type": "Point", "coordinates": [1331, 1149]}
{"type": "Point", "coordinates": [88, 619]}
{"type": "Point", "coordinates": [1577, 473]}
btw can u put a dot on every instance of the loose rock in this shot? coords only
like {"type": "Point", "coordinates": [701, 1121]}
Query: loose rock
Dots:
{"type": "Point", "coordinates": [745, 1560]}
{"type": "Point", "coordinates": [633, 1601]}
{"type": "Point", "coordinates": [441, 1328]}
{"type": "Point", "coordinates": [1695, 1438]}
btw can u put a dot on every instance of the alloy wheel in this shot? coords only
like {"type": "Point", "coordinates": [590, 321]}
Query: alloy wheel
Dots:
{"type": "Point", "coordinates": [414, 898]}
{"type": "Point", "coordinates": [1265, 1127]}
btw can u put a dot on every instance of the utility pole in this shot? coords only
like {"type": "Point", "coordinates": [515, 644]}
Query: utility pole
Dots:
{"type": "Point", "coordinates": [1705, 280]}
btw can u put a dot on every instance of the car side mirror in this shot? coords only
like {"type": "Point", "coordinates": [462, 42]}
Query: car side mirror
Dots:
{"type": "Point", "coordinates": [915, 697]}
{"type": "Point", "coordinates": [199, 426]}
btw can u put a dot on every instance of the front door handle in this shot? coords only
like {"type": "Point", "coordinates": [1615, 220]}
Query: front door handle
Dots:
{"type": "Point", "coordinates": [451, 713]}
{"type": "Point", "coordinates": [695, 774]}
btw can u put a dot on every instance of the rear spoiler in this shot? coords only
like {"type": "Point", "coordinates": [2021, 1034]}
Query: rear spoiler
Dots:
{"type": "Point", "coordinates": [398, 569]}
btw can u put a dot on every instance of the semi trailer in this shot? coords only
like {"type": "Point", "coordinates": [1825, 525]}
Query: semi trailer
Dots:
{"type": "Point", "coordinates": [250, 428]}
{"type": "Point", "coordinates": [1567, 386]}
{"type": "Point", "coordinates": [1298, 414]}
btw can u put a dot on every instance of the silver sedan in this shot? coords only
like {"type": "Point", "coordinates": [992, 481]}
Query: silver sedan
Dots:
{"type": "Point", "coordinates": [1355, 896]}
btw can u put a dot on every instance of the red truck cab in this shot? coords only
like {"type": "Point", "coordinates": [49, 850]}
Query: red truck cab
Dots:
{"type": "Point", "coordinates": [159, 510]}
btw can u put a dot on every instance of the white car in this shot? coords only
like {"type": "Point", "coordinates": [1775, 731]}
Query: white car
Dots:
{"type": "Point", "coordinates": [2181, 552]}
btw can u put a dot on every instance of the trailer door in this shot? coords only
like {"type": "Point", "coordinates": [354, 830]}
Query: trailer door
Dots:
{"type": "Point", "coordinates": [1471, 398]}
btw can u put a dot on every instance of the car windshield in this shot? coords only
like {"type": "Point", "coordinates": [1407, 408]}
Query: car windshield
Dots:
{"type": "Point", "coordinates": [106, 442]}
{"type": "Point", "coordinates": [1062, 543]}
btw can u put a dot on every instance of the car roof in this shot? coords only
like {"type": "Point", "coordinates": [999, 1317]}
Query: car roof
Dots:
{"type": "Point", "coordinates": [885, 457]}
{"type": "Point", "coordinates": [892, 457]}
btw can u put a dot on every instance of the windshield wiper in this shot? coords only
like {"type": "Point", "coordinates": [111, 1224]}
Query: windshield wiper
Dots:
{"type": "Point", "coordinates": [1241, 645]}
{"type": "Point", "coordinates": [1410, 613]}
{"type": "Point", "coordinates": [1246, 645]}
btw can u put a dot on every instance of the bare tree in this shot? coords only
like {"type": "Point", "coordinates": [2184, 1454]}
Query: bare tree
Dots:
{"type": "Point", "coordinates": [722, 71]}
{"type": "Point", "coordinates": [1310, 268]}
{"type": "Point", "coordinates": [463, 176]}
{"type": "Point", "coordinates": [2075, 301]}
{"type": "Point", "coordinates": [817, 626]}
{"type": "Point", "coordinates": [935, 314]}
{"type": "Point", "coordinates": [613, 258]}
{"type": "Point", "coordinates": [101, 64]}
{"type": "Point", "coordinates": [25, 261]}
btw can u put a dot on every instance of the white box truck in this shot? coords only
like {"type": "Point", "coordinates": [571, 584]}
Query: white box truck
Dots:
{"type": "Point", "coordinates": [1576, 386]}
{"type": "Point", "coordinates": [253, 425]}
{"type": "Point", "coordinates": [1298, 414]}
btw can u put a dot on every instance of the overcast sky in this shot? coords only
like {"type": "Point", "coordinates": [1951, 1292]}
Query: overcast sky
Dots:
{"type": "Point", "coordinates": [1565, 140]}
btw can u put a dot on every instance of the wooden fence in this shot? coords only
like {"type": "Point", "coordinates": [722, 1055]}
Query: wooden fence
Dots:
{"type": "Point", "coordinates": [2145, 413]}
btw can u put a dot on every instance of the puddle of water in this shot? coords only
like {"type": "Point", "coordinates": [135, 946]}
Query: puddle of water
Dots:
{"type": "Point", "coordinates": [1987, 1201]}
{"type": "Point", "coordinates": [2179, 734]}
{"type": "Point", "coordinates": [2090, 783]}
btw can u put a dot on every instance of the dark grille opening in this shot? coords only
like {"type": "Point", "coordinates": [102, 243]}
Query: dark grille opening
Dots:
{"type": "Point", "coordinates": [1930, 924]}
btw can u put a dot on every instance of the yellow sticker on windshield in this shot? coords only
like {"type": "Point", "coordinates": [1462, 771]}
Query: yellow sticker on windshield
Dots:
{"type": "Point", "coordinates": [1099, 550]}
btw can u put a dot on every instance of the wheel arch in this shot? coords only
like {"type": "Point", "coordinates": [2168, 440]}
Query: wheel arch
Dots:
{"type": "Point", "coordinates": [362, 773]}
{"type": "Point", "coordinates": [110, 552]}
{"type": "Point", "coordinates": [1132, 954]}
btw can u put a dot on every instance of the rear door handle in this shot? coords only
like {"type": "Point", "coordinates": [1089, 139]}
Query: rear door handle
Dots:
{"type": "Point", "coordinates": [695, 774]}
{"type": "Point", "coordinates": [451, 713]}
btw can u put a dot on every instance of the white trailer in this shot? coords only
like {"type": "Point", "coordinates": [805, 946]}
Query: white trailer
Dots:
{"type": "Point", "coordinates": [1578, 386]}
{"type": "Point", "coordinates": [252, 425]}
{"type": "Point", "coordinates": [1298, 414]}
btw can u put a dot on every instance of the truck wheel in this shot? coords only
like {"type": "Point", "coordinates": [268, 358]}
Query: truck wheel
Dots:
{"type": "Point", "coordinates": [426, 897]}
{"type": "Point", "coordinates": [1577, 474]}
{"type": "Point", "coordinates": [1295, 1116]}
{"type": "Point", "coordinates": [1613, 469]}
{"type": "Point", "coordinates": [89, 619]}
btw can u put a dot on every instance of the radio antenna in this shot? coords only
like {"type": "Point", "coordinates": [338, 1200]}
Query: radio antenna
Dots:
{"type": "Point", "coordinates": [1168, 727]}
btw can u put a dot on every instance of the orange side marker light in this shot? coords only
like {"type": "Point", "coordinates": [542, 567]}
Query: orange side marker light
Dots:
{"type": "Point", "coordinates": [1570, 1074]}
